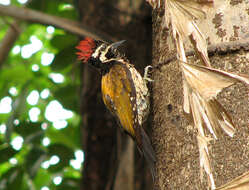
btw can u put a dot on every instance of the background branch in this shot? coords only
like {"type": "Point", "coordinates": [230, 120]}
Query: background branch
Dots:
{"type": "Point", "coordinates": [8, 41]}
{"type": "Point", "coordinates": [65, 24]}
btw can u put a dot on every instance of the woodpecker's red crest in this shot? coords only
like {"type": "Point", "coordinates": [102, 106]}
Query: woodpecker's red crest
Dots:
{"type": "Point", "coordinates": [86, 47]}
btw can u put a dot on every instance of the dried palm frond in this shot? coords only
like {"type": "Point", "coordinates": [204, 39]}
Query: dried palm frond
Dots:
{"type": "Point", "coordinates": [181, 16]}
{"type": "Point", "coordinates": [202, 84]}
{"type": "Point", "coordinates": [239, 183]}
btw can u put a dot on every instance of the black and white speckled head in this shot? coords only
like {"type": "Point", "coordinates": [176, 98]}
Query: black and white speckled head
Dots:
{"type": "Point", "coordinates": [98, 53]}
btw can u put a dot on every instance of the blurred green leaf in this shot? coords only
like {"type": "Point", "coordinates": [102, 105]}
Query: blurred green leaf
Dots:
{"type": "Point", "coordinates": [12, 179]}
{"type": "Point", "coordinates": [36, 4]}
{"type": "Point", "coordinates": [69, 184]}
{"type": "Point", "coordinates": [70, 172]}
{"type": "Point", "coordinates": [26, 128]}
{"type": "Point", "coordinates": [64, 58]}
{"type": "Point", "coordinates": [42, 178]}
{"type": "Point", "coordinates": [63, 152]}
{"type": "Point", "coordinates": [4, 167]}
{"type": "Point", "coordinates": [41, 83]}
{"type": "Point", "coordinates": [18, 74]}
{"type": "Point", "coordinates": [52, 7]}
{"type": "Point", "coordinates": [6, 152]}
{"type": "Point", "coordinates": [18, 107]}
{"type": "Point", "coordinates": [69, 136]}
{"type": "Point", "coordinates": [63, 41]}
{"type": "Point", "coordinates": [33, 160]}
{"type": "Point", "coordinates": [31, 132]}
{"type": "Point", "coordinates": [66, 95]}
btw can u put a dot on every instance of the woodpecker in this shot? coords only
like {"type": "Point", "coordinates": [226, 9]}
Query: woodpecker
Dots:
{"type": "Point", "coordinates": [124, 91]}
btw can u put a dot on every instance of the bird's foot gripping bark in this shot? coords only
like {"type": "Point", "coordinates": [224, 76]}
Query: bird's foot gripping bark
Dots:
{"type": "Point", "coordinates": [147, 74]}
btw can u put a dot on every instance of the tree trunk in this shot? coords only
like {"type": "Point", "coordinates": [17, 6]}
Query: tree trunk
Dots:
{"type": "Point", "coordinates": [125, 173]}
{"type": "Point", "coordinates": [174, 137]}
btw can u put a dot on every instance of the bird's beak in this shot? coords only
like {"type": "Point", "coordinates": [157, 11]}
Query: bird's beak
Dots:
{"type": "Point", "coordinates": [117, 44]}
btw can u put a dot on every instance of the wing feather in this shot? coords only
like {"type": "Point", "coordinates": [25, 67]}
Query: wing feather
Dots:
{"type": "Point", "coordinates": [116, 85]}
{"type": "Point", "coordinates": [119, 95]}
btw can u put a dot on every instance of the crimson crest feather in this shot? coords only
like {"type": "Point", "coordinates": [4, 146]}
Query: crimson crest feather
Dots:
{"type": "Point", "coordinates": [86, 47]}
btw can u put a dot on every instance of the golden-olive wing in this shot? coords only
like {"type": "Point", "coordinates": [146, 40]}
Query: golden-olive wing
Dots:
{"type": "Point", "coordinates": [118, 93]}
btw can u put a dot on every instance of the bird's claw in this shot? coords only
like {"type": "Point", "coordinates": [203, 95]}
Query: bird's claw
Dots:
{"type": "Point", "coordinates": [147, 74]}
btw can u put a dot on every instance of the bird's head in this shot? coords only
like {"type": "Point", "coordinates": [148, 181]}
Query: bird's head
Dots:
{"type": "Point", "coordinates": [97, 53]}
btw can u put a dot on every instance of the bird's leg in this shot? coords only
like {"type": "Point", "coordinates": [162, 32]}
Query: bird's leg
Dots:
{"type": "Point", "coordinates": [147, 74]}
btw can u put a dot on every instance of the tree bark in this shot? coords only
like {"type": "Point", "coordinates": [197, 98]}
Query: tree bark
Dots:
{"type": "Point", "coordinates": [125, 173]}
{"type": "Point", "coordinates": [174, 137]}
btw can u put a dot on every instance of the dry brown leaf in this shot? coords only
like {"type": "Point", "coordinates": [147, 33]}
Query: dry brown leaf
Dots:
{"type": "Point", "coordinates": [208, 82]}
{"type": "Point", "coordinates": [204, 158]}
{"type": "Point", "coordinates": [157, 3]}
{"type": "Point", "coordinates": [210, 114]}
{"type": "Point", "coordinates": [181, 15]}
{"type": "Point", "coordinates": [198, 115]}
{"type": "Point", "coordinates": [196, 112]}
{"type": "Point", "coordinates": [239, 183]}
{"type": "Point", "coordinates": [186, 91]}
{"type": "Point", "coordinates": [218, 117]}
{"type": "Point", "coordinates": [201, 85]}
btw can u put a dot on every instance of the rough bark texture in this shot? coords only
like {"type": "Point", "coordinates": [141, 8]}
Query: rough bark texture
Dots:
{"type": "Point", "coordinates": [174, 138]}
{"type": "Point", "coordinates": [130, 21]}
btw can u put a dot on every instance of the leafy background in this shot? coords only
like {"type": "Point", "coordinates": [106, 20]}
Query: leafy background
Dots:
{"type": "Point", "coordinates": [39, 114]}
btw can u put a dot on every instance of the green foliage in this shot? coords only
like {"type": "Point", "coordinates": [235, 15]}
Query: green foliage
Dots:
{"type": "Point", "coordinates": [29, 166]}
{"type": "Point", "coordinates": [12, 179]}
{"type": "Point", "coordinates": [65, 56]}
{"type": "Point", "coordinates": [67, 93]}
{"type": "Point", "coordinates": [6, 152]}
{"type": "Point", "coordinates": [64, 153]}
{"type": "Point", "coordinates": [55, 7]}
{"type": "Point", "coordinates": [33, 161]}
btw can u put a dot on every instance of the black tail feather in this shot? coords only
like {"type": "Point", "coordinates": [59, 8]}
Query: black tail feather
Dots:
{"type": "Point", "coordinates": [148, 152]}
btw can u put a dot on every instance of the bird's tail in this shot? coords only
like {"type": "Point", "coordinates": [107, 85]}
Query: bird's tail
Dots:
{"type": "Point", "coordinates": [147, 151]}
